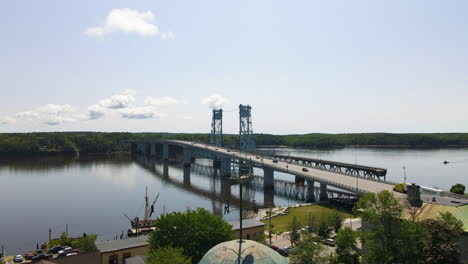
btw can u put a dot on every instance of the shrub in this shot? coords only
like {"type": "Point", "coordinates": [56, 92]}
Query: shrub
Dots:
{"type": "Point", "coordinates": [458, 188]}
{"type": "Point", "coordinates": [399, 187]}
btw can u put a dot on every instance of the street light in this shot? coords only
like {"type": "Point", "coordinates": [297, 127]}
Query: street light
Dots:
{"type": "Point", "coordinates": [241, 180]}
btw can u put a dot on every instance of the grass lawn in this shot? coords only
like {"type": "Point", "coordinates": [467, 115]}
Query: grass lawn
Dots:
{"type": "Point", "coordinates": [281, 223]}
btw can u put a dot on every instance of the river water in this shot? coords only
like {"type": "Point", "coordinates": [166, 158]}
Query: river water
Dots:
{"type": "Point", "coordinates": [90, 194]}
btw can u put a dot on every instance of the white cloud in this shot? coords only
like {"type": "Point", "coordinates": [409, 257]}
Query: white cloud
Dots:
{"type": "Point", "coordinates": [8, 120]}
{"type": "Point", "coordinates": [51, 114]}
{"type": "Point", "coordinates": [95, 112]}
{"type": "Point", "coordinates": [215, 101]}
{"type": "Point", "coordinates": [161, 101]}
{"type": "Point", "coordinates": [57, 120]}
{"type": "Point", "coordinates": [27, 115]}
{"type": "Point", "coordinates": [128, 21]}
{"type": "Point", "coordinates": [145, 112]}
{"type": "Point", "coordinates": [118, 101]}
{"type": "Point", "coordinates": [187, 117]}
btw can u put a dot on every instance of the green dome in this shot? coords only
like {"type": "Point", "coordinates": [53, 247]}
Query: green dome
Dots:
{"type": "Point", "coordinates": [252, 252]}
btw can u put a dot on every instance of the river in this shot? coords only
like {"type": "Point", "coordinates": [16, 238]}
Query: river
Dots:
{"type": "Point", "coordinates": [91, 193]}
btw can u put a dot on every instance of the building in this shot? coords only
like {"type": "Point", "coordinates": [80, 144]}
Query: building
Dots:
{"type": "Point", "coordinates": [250, 252]}
{"type": "Point", "coordinates": [117, 251]}
{"type": "Point", "coordinates": [251, 229]}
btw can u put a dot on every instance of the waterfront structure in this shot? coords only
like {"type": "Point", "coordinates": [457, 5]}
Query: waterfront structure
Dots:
{"type": "Point", "coordinates": [246, 140]}
{"type": "Point", "coordinates": [216, 135]}
{"type": "Point", "coordinates": [250, 252]}
{"type": "Point", "coordinates": [117, 251]}
{"type": "Point", "coordinates": [354, 184]}
{"type": "Point", "coordinates": [251, 229]}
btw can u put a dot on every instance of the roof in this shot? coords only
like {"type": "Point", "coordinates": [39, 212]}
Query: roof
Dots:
{"type": "Point", "coordinates": [136, 260]}
{"type": "Point", "coordinates": [431, 211]}
{"type": "Point", "coordinates": [252, 252]}
{"type": "Point", "coordinates": [246, 223]}
{"type": "Point", "coordinates": [114, 245]}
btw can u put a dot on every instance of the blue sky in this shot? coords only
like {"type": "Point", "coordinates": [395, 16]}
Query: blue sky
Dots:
{"type": "Point", "coordinates": [304, 66]}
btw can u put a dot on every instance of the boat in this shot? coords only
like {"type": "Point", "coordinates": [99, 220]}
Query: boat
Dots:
{"type": "Point", "coordinates": [145, 225]}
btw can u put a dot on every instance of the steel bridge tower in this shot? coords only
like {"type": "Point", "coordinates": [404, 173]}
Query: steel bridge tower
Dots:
{"type": "Point", "coordinates": [246, 140]}
{"type": "Point", "coordinates": [216, 136]}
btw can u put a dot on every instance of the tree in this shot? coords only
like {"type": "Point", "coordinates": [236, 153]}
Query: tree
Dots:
{"type": "Point", "coordinates": [310, 223]}
{"type": "Point", "coordinates": [308, 252]}
{"type": "Point", "coordinates": [336, 220]}
{"type": "Point", "coordinates": [323, 228]}
{"type": "Point", "coordinates": [195, 231]}
{"type": "Point", "coordinates": [295, 228]}
{"type": "Point", "coordinates": [346, 249]}
{"type": "Point", "coordinates": [388, 237]}
{"type": "Point", "coordinates": [86, 243]}
{"type": "Point", "coordinates": [442, 243]}
{"type": "Point", "coordinates": [458, 188]}
{"type": "Point", "coordinates": [167, 255]}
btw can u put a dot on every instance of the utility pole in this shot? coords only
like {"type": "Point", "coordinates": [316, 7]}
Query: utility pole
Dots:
{"type": "Point", "coordinates": [50, 234]}
{"type": "Point", "coordinates": [404, 177]}
{"type": "Point", "coordinates": [66, 229]}
{"type": "Point", "coordinates": [269, 229]}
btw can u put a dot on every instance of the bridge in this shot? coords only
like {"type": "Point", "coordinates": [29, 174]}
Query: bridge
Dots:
{"type": "Point", "coordinates": [308, 172]}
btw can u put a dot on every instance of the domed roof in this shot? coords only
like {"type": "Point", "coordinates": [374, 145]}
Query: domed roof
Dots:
{"type": "Point", "coordinates": [251, 252]}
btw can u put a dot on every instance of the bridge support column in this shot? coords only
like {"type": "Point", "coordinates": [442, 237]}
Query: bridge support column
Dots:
{"type": "Point", "coordinates": [226, 167]}
{"type": "Point", "coordinates": [133, 147]}
{"type": "Point", "coordinates": [216, 164]}
{"type": "Point", "coordinates": [187, 157]}
{"type": "Point", "coordinates": [268, 178]}
{"type": "Point", "coordinates": [323, 192]}
{"type": "Point", "coordinates": [165, 151]}
{"type": "Point", "coordinates": [153, 150]}
{"type": "Point", "coordinates": [299, 180]}
{"type": "Point", "coordinates": [144, 149]}
{"type": "Point", "coordinates": [187, 175]}
{"type": "Point", "coordinates": [165, 168]}
{"type": "Point", "coordinates": [310, 198]}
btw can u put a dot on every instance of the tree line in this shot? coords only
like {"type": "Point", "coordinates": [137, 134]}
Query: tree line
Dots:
{"type": "Point", "coordinates": [99, 143]}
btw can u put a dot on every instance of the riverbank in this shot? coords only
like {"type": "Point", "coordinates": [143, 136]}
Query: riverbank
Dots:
{"type": "Point", "coordinates": [112, 142]}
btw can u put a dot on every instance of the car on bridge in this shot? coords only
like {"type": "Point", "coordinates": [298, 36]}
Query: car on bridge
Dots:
{"type": "Point", "coordinates": [305, 169]}
{"type": "Point", "coordinates": [275, 161]}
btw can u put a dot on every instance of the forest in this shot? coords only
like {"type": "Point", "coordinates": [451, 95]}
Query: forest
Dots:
{"type": "Point", "coordinates": [101, 143]}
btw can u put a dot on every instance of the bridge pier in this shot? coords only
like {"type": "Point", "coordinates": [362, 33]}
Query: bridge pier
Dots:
{"type": "Point", "coordinates": [165, 169]}
{"type": "Point", "coordinates": [187, 175]}
{"type": "Point", "coordinates": [299, 180]}
{"type": "Point", "coordinates": [187, 157]}
{"type": "Point", "coordinates": [268, 178]}
{"type": "Point", "coordinates": [323, 192]}
{"type": "Point", "coordinates": [310, 198]}
{"type": "Point", "coordinates": [153, 150]}
{"type": "Point", "coordinates": [133, 147]}
{"type": "Point", "coordinates": [216, 163]}
{"type": "Point", "coordinates": [226, 167]}
{"type": "Point", "coordinates": [165, 151]}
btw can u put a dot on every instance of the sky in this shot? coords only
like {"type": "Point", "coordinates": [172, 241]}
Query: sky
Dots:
{"type": "Point", "coordinates": [304, 66]}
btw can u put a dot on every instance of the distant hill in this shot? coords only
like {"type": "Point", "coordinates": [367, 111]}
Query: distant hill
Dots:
{"type": "Point", "coordinates": [101, 142]}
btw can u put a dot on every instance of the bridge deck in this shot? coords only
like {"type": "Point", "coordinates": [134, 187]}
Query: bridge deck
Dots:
{"type": "Point", "coordinates": [346, 182]}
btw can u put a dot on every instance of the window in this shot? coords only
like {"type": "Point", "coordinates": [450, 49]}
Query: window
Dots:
{"type": "Point", "coordinates": [126, 256]}
{"type": "Point", "coordinates": [248, 236]}
{"type": "Point", "coordinates": [113, 259]}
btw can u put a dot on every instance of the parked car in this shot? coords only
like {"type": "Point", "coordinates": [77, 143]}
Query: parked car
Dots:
{"type": "Point", "coordinates": [289, 250]}
{"type": "Point", "coordinates": [274, 247]}
{"type": "Point", "coordinates": [18, 259]}
{"type": "Point", "coordinates": [283, 252]}
{"type": "Point", "coordinates": [39, 251]}
{"type": "Point", "coordinates": [40, 256]}
{"type": "Point", "coordinates": [65, 251]}
{"type": "Point", "coordinates": [305, 169]}
{"type": "Point", "coordinates": [29, 255]}
{"type": "Point", "coordinates": [72, 254]}
{"type": "Point", "coordinates": [55, 249]}
{"type": "Point", "coordinates": [329, 242]}
{"type": "Point", "coordinates": [275, 161]}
